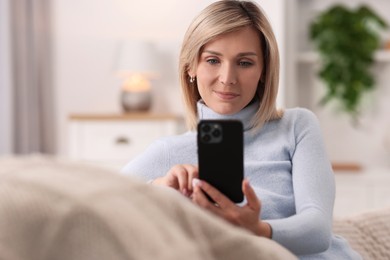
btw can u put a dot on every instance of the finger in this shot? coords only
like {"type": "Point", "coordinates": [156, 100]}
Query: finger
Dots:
{"type": "Point", "coordinates": [197, 195]}
{"type": "Point", "coordinates": [182, 177]}
{"type": "Point", "coordinates": [215, 194]}
{"type": "Point", "coordinates": [171, 178]}
{"type": "Point", "coordinates": [200, 198]}
{"type": "Point", "coordinates": [253, 201]}
{"type": "Point", "coordinates": [192, 172]}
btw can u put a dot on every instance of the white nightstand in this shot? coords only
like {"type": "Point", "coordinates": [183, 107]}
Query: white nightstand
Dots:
{"type": "Point", "coordinates": [112, 140]}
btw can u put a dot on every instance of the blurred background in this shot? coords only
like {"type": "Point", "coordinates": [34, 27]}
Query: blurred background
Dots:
{"type": "Point", "coordinates": [97, 81]}
{"type": "Point", "coordinates": [62, 58]}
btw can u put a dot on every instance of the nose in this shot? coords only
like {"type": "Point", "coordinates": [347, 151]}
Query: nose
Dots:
{"type": "Point", "coordinates": [228, 75]}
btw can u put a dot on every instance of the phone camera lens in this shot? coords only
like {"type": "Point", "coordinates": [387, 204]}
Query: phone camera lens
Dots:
{"type": "Point", "coordinates": [206, 128]}
{"type": "Point", "coordinates": [206, 138]}
{"type": "Point", "coordinates": [216, 133]}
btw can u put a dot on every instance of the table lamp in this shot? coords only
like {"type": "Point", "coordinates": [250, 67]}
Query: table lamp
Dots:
{"type": "Point", "coordinates": [135, 65]}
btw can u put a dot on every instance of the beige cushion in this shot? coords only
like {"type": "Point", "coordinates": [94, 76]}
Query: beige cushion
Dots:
{"type": "Point", "coordinates": [58, 210]}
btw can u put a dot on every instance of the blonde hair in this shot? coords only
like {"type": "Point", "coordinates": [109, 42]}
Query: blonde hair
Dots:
{"type": "Point", "coordinates": [220, 18]}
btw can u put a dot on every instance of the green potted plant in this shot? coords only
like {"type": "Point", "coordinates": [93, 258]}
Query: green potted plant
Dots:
{"type": "Point", "coordinates": [347, 40]}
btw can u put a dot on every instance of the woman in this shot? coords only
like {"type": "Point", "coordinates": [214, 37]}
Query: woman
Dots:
{"type": "Point", "coordinates": [229, 69]}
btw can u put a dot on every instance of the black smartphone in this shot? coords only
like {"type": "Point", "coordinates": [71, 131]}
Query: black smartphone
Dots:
{"type": "Point", "coordinates": [221, 156]}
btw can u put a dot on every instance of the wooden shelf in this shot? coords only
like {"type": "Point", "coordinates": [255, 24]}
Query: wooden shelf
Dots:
{"type": "Point", "coordinates": [346, 167]}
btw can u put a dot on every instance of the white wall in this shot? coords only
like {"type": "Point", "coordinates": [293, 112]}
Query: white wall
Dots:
{"type": "Point", "coordinates": [5, 81]}
{"type": "Point", "coordinates": [86, 35]}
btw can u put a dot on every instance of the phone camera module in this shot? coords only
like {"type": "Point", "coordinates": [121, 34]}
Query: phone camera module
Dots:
{"type": "Point", "coordinates": [211, 133]}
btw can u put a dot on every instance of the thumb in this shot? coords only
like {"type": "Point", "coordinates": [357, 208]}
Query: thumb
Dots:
{"type": "Point", "coordinates": [253, 201]}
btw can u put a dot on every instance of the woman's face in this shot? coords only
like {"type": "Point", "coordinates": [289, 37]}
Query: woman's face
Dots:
{"type": "Point", "coordinates": [229, 70]}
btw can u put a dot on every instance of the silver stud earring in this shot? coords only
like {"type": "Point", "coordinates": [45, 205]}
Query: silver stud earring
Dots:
{"type": "Point", "coordinates": [192, 79]}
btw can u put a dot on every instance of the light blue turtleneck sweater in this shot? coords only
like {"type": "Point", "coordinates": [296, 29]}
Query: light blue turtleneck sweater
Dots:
{"type": "Point", "coordinates": [286, 164]}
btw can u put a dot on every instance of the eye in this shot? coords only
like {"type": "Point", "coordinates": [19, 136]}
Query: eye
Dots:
{"type": "Point", "coordinates": [212, 61]}
{"type": "Point", "coordinates": [245, 63]}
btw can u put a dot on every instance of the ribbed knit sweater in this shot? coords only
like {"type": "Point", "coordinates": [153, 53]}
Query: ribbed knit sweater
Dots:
{"type": "Point", "coordinates": [285, 162]}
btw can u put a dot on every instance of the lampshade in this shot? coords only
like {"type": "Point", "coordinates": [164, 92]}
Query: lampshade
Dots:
{"type": "Point", "coordinates": [135, 64]}
{"type": "Point", "coordinates": [136, 57]}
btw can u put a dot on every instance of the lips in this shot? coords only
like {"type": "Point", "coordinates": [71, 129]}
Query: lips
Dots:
{"type": "Point", "coordinates": [225, 95]}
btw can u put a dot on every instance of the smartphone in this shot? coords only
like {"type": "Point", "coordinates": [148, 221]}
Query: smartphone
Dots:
{"type": "Point", "coordinates": [221, 156]}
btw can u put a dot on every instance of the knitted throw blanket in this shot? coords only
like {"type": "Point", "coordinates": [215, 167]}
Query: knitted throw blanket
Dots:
{"type": "Point", "coordinates": [368, 233]}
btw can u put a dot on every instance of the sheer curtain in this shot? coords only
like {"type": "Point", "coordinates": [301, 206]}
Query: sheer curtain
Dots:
{"type": "Point", "coordinates": [32, 76]}
{"type": "Point", "coordinates": [5, 81]}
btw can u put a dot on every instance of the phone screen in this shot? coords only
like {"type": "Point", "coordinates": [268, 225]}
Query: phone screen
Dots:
{"type": "Point", "coordinates": [220, 156]}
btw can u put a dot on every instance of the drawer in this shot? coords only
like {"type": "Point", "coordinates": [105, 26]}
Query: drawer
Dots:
{"type": "Point", "coordinates": [117, 141]}
{"type": "Point", "coordinates": [112, 140]}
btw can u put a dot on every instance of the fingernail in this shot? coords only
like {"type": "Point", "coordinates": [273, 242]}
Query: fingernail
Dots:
{"type": "Point", "coordinates": [196, 182]}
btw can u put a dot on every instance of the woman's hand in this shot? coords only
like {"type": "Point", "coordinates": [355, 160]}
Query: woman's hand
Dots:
{"type": "Point", "coordinates": [180, 178]}
{"type": "Point", "coordinates": [247, 216]}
